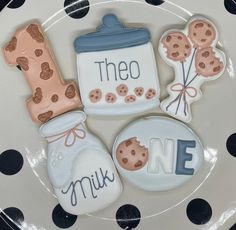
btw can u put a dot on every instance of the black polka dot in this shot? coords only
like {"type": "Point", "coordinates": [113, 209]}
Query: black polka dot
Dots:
{"type": "Point", "coordinates": [155, 2]}
{"type": "Point", "coordinates": [11, 219]}
{"type": "Point", "coordinates": [76, 9]}
{"type": "Point", "coordinates": [231, 144]}
{"type": "Point", "coordinates": [199, 211]}
{"type": "Point", "coordinates": [18, 67]}
{"type": "Point", "coordinates": [61, 218]}
{"type": "Point", "coordinates": [233, 227]}
{"type": "Point", "coordinates": [230, 6]}
{"type": "Point", "coordinates": [128, 216]}
{"type": "Point", "coordinates": [11, 162]}
{"type": "Point", "coordinates": [16, 4]}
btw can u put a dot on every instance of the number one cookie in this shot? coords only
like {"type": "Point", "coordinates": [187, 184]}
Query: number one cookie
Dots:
{"type": "Point", "coordinates": [193, 54]}
{"type": "Point", "coordinates": [51, 97]}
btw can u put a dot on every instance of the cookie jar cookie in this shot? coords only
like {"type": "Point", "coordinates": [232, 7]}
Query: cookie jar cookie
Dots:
{"type": "Point", "coordinates": [117, 70]}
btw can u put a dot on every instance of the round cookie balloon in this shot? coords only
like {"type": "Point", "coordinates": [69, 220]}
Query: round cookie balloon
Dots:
{"type": "Point", "coordinates": [157, 153]}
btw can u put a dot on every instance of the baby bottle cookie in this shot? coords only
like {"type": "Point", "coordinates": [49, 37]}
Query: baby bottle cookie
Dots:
{"type": "Point", "coordinates": [51, 96]}
{"type": "Point", "coordinates": [193, 54]}
{"type": "Point", "coordinates": [117, 69]}
{"type": "Point", "coordinates": [80, 168]}
{"type": "Point", "coordinates": [157, 153]}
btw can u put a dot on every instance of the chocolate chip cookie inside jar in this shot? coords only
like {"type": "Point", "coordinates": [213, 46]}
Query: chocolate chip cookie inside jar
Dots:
{"type": "Point", "coordinates": [117, 70]}
{"type": "Point", "coordinates": [80, 168]}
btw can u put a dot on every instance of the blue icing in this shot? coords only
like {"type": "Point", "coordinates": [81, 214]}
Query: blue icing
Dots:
{"type": "Point", "coordinates": [183, 156]}
{"type": "Point", "coordinates": [111, 35]}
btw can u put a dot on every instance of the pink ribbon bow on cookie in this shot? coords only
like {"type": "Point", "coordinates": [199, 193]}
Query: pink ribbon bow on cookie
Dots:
{"type": "Point", "coordinates": [74, 132]}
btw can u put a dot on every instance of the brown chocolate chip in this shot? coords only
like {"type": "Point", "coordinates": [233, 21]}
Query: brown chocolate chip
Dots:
{"type": "Point", "coordinates": [199, 25]}
{"type": "Point", "coordinates": [34, 32]}
{"type": "Point", "coordinates": [11, 45]}
{"type": "Point", "coordinates": [46, 71]}
{"type": "Point", "coordinates": [143, 154]}
{"type": "Point", "coordinates": [70, 92]}
{"type": "Point", "coordinates": [208, 33]}
{"type": "Point", "coordinates": [44, 117]}
{"type": "Point", "coordinates": [125, 160]}
{"type": "Point", "coordinates": [138, 164]}
{"type": "Point", "coordinates": [168, 39]}
{"type": "Point", "coordinates": [187, 46]}
{"type": "Point", "coordinates": [54, 98]}
{"type": "Point", "coordinates": [206, 54]}
{"type": "Point", "coordinates": [23, 62]}
{"type": "Point", "coordinates": [216, 69]}
{"type": "Point", "coordinates": [121, 151]}
{"type": "Point", "coordinates": [203, 40]}
{"type": "Point", "coordinates": [202, 65]}
{"type": "Point", "coordinates": [212, 63]}
{"type": "Point", "coordinates": [176, 46]}
{"type": "Point", "coordinates": [194, 34]}
{"type": "Point", "coordinates": [180, 38]}
{"type": "Point", "coordinates": [38, 52]}
{"type": "Point", "coordinates": [176, 54]}
{"type": "Point", "coordinates": [133, 152]}
{"type": "Point", "coordinates": [128, 143]}
{"type": "Point", "coordinates": [38, 96]}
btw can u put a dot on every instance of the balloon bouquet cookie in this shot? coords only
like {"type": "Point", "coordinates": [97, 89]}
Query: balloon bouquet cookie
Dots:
{"type": "Point", "coordinates": [117, 75]}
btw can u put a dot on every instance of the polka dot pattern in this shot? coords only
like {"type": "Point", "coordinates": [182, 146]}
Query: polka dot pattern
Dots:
{"type": "Point", "coordinates": [230, 6]}
{"type": "Point", "coordinates": [61, 218]}
{"type": "Point", "coordinates": [233, 227]}
{"type": "Point", "coordinates": [11, 162]}
{"type": "Point", "coordinates": [76, 9]}
{"type": "Point", "coordinates": [199, 211]}
{"type": "Point", "coordinates": [128, 217]}
{"type": "Point", "coordinates": [155, 2]}
{"type": "Point", "coordinates": [16, 4]}
{"type": "Point", "coordinates": [11, 219]}
{"type": "Point", "coordinates": [231, 144]}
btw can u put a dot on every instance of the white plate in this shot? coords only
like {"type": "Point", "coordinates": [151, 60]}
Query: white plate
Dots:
{"type": "Point", "coordinates": [214, 121]}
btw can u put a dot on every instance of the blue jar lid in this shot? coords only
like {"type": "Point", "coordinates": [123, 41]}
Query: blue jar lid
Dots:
{"type": "Point", "coordinates": [111, 35]}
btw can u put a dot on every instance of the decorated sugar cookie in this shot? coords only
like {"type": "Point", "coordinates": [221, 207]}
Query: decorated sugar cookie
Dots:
{"type": "Point", "coordinates": [157, 153]}
{"type": "Point", "coordinates": [29, 49]}
{"type": "Point", "coordinates": [117, 69]}
{"type": "Point", "coordinates": [80, 168]}
{"type": "Point", "coordinates": [193, 54]}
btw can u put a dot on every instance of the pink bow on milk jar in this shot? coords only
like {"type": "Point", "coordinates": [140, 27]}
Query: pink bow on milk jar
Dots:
{"type": "Point", "coordinates": [117, 70]}
{"type": "Point", "coordinates": [193, 54]}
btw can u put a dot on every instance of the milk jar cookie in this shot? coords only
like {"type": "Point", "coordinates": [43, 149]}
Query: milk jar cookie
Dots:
{"type": "Point", "coordinates": [80, 168]}
{"type": "Point", "coordinates": [157, 153]}
{"type": "Point", "coordinates": [117, 69]}
{"type": "Point", "coordinates": [193, 54]}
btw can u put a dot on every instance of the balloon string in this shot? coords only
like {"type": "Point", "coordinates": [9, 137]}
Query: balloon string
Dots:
{"type": "Point", "coordinates": [191, 63]}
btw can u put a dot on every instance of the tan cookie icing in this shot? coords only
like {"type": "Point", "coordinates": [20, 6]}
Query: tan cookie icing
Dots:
{"type": "Point", "coordinates": [122, 90]}
{"type": "Point", "coordinates": [207, 64]}
{"type": "Point", "coordinates": [151, 93]}
{"type": "Point", "coordinates": [30, 50]}
{"type": "Point", "coordinates": [130, 98]}
{"type": "Point", "coordinates": [201, 33]}
{"type": "Point", "coordinates": [95, 95]}
{"type": "Point", "coordinates": [177, 45]}
{"type": "Point", "coordinates": [131, 155]}
{"type": "Point", "coordinates": [110, 98]}
{"type": "Point", "coordinates": [139, 91]}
